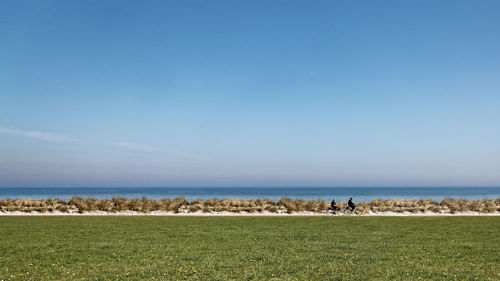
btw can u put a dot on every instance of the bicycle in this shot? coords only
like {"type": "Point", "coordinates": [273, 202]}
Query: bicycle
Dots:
{"type": "Point", "coordinates": [332, 212]}
{"type": "Point", "coordinates": [349, 212]}
{"type": "Point", "coordinates": [346, 212]}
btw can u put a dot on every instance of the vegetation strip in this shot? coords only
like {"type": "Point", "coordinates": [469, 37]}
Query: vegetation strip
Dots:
{"type": "Point", "coordinates": [284, 205]}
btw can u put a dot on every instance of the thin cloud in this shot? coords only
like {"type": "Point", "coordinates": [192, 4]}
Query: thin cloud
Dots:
{"type": "Point", "coordinates": [65, 139]}
{"type": "Point", "coordinates": [134, 146]}
{"type": "Point", "coordinates": [148, 148]}
{"type": "Point", "coordinates": [188, 155]}
{"type": "Point", "coordinates": [38, 135]}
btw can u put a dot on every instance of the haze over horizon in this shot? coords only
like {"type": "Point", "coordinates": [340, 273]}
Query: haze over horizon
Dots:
{"type": "Point", "coordinates": [249, 93]}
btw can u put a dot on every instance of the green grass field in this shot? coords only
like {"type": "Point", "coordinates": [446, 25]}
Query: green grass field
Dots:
{"type": "Point", "coordinates": [250, 248]}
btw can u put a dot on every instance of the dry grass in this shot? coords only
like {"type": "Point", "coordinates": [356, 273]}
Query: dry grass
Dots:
{"type": "Point", "coordinates": [284, 205]}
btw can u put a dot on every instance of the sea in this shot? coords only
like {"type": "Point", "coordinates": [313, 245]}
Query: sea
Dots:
{"type": "Point", "coordinates": [341, 194]}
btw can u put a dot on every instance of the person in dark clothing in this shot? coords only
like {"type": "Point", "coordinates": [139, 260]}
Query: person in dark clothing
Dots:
{"type": "Point", "coordinates": [351, 205]}
{"type": "Point", "coordinates": [334, 206]}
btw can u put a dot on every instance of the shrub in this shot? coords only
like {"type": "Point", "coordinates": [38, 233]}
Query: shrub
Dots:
{"type": "Point", "coordinates": [251, 206]}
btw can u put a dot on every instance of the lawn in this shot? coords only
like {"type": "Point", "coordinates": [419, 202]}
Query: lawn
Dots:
{"type": "Point", "coordinates": [249, 248]}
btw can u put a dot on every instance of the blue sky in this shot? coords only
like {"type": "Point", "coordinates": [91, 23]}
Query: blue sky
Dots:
{"type": "Point", "coordinates": [249, 93]}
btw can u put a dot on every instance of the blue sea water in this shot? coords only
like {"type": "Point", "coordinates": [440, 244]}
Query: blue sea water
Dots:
{"type": "Point", "coordinates": [273, 193]}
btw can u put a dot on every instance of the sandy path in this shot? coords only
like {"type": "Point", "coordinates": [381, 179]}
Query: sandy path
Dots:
{"type": "Point", "coordinates": [243, 214]}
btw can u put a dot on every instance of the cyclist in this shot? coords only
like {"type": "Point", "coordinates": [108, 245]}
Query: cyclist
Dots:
{"type": "Point", "coordinates": [334, 207]}
{"type": "Point", "coordinates": [350, 205]}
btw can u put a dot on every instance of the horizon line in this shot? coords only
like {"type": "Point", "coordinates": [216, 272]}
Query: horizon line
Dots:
{"type": "Point", "coordinates": [281, 186]}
